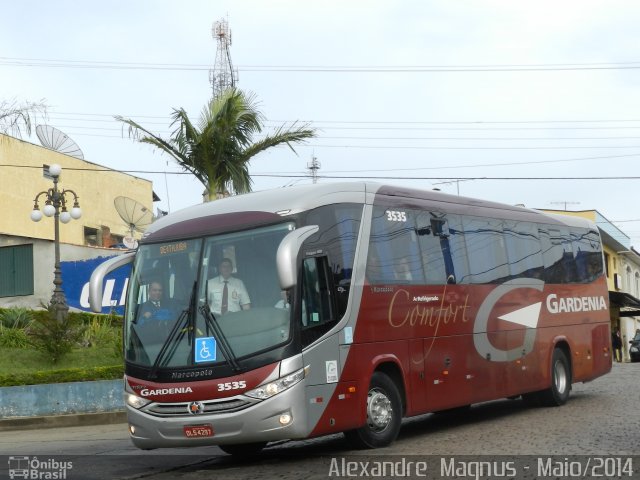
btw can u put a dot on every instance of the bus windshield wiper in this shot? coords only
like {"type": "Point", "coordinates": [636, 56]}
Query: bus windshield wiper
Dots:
{"type": "Point", "coordinates": [177, 333]}
{"type": "Point", "coordinates": [212, 323]}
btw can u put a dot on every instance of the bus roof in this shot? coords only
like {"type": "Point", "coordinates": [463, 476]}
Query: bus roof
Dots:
{"type": "Point", "coordinates": [270, 205]}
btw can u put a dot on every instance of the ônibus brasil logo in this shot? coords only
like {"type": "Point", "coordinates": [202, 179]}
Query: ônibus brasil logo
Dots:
{"type": "Point", "coordinates": [27, 467]}
{"type": "Point", "coordinates": [527, 316]}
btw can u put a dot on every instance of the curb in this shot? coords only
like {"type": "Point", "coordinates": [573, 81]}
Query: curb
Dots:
{"type": "Point", "coordinates": [67, 398]}
{"type": "Point", "coordinates": [58, 421]}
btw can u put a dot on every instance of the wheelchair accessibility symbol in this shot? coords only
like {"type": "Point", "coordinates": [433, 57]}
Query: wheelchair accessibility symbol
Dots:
{"type": "Point", "coordinates": [205, 349]}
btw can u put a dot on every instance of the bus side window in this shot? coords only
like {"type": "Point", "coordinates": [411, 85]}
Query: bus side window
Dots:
{"type": "Point", "coordinates": [433, 236]}
{"type": "Point", "coordinates": [524, 250]}
{"type": "Point", "coordinates": [317, 305]}
{"type": "Point", "coordinates": [586, 250]}
{"type": "Point", "coordinates": [394, 255]}
{"type": "Point", "coordinates": [485, 250]}
{"type": "Point", "coordinates": [558, 256]}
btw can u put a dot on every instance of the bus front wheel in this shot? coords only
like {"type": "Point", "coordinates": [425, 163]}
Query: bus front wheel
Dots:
{"type": "Point", "coordinates": [558, 393]}
{"type": "Point", "coordinates": [384, 415]}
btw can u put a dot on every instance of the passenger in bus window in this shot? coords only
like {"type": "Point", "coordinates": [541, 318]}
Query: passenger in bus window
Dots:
{"type": "Point", "coordinates": [284, 300]}
{"type": "Point", "coordinates": [157, 307]}
{"type": "Point", "coordinates": [402, 270]}
{"type": "Point", "coordinates": [227, 293]}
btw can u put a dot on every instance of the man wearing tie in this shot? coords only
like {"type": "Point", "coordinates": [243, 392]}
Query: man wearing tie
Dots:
{"type": "Point", "coordinates": [227, 293]}
{"type": "Point", "coordinates": [157, 307]}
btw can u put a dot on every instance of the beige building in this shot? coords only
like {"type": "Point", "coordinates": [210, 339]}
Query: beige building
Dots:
{"type": "Point", "coordinates": [26, 247]}
{"type": "Point", "coordinates": [23, 177]}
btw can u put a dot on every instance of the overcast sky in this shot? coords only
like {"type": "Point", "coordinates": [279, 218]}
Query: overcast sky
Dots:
{"type": "Point", "coordinates": [421, 90]}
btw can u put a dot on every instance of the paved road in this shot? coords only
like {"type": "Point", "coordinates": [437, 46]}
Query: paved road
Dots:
{"type": "Point", "coordinates": [601, 418]}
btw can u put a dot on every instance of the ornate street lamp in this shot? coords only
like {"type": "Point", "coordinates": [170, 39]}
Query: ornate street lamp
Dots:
{"type": "Point", "coordinates": [55, 205]}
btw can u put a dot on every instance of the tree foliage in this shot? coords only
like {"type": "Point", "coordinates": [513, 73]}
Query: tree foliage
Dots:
{"type": "Point", "coordinates": [218, 148]}
{"type": "Point", "coordinates": [18, 116]}
{"type": "Point", "coordinates": [55, 338]}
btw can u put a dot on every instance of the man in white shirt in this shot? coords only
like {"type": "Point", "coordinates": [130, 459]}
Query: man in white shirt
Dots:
{"type": "Point", "coordinates": [227, 293]}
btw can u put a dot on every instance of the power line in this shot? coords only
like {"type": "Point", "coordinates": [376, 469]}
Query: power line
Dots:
{"type": "Point", "coordinates": [504, 164]}
{"type": "Point", "coordinates": [482, 138]}
{"type": "Point", "coordinates": [379, 138]}
{"type": "Point", "coordinates": [111, 120]}
{"type": "Point", "coordinates": [465, 122]}
{"type": "Point", "coordinates": [114, 65]}
{"type": "Point", "coordinates": [386, 122]}
{"type": "Point", "coordinates": [477, 129]}
{"type": "Point", "coordinates": [601, 157]}
{"type": "Point", "coordinates": [417, 147]}
{"type": "Point", "coordinates": [277, 175]}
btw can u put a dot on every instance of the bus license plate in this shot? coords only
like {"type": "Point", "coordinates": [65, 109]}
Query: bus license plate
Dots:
{"type": "Point", "coordinates": [195, 431]}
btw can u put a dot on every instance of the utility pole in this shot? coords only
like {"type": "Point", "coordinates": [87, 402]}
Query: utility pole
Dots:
{"type": "Point", "coordinates": [222, 76]}
{"type": "Point", "coordinates": [450, 182]}
{"type": "Point", "coordinates": [313, 166]}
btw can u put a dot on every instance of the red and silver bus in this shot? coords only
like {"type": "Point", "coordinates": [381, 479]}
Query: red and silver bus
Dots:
{"type": "Point", "coordinates": [363, 304]}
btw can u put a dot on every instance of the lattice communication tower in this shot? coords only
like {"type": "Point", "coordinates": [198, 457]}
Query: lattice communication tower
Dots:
{"type": "Point", "coordinates": [223, 75]}
{"type": "Point", "coordinates": [313, 166]}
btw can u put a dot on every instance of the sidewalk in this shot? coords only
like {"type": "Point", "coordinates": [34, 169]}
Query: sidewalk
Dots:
{"type": "Point", "coordinates": [60, 421]}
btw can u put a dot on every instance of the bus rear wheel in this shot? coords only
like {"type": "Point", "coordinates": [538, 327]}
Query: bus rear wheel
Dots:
{"type": "Point", "coordinates": [243, 449]}
{"type": "Point", "coordinates": [384, 415]}
{"type": "Point", "coordinates": [558, 393]}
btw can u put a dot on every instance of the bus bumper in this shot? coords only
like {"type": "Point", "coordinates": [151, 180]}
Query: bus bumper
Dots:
{"type": "Point", "coordinates": [260, 422]}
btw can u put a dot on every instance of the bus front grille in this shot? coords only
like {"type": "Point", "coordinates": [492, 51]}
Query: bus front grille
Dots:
{"type": "Point", "coordinates": [207, 408]}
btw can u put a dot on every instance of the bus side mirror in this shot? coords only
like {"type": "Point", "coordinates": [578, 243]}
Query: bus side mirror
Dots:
{"type": "Point", "coordinates": [97, 278]}
{"type": "Point", "coordinates": [288, 253]}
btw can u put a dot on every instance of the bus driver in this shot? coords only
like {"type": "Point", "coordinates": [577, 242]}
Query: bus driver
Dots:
{"type": "Point", "coordinates": [157, 307]}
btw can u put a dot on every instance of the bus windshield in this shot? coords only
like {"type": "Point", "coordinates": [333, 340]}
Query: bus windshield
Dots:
{"type": "Point", "coordinates": [209, 301]}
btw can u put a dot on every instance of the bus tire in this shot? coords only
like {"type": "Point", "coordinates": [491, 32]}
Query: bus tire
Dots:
{"type": "Point", "coordinates": [243, 449]}
{"type": "Point", "coordinates": [558, 393]}
{"type": "Point", "coordinates": [384, 415]}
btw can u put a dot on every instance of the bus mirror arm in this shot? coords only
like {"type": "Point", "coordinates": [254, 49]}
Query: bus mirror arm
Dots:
{"type": "Point", "coordinates": [97, 278]}
{"type": "Point", "coordinates": [287, 255]}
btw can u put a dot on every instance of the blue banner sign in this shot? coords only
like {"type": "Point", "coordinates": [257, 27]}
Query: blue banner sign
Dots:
{"type": "Point", "coordinates": [75, 283]}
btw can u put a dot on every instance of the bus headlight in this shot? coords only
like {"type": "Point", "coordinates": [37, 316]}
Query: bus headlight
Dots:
{"type": "Point", "coordinates": [268, 390]}
{"type": "Point", "coordinates": [135, 401]}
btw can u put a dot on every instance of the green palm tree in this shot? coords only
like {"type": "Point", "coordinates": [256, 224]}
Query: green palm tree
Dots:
{"type": "Point", "coordinates": [218, 150]}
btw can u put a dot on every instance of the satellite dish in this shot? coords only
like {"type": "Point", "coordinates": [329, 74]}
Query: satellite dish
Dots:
{"type": "Point", "coordinates": [54, 139]}
{"type": "Point", "coordinates": [130, 242]}
{"type": "Point", "coordinates": [137, 216]}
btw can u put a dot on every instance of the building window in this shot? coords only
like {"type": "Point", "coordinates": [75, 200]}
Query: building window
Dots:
{"type": "Point", "coordinates": [117, 239]}
{"type": "Point", "coordinates": [16, 270]}
{"type": "Point", "coordinates": [91, 236]}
